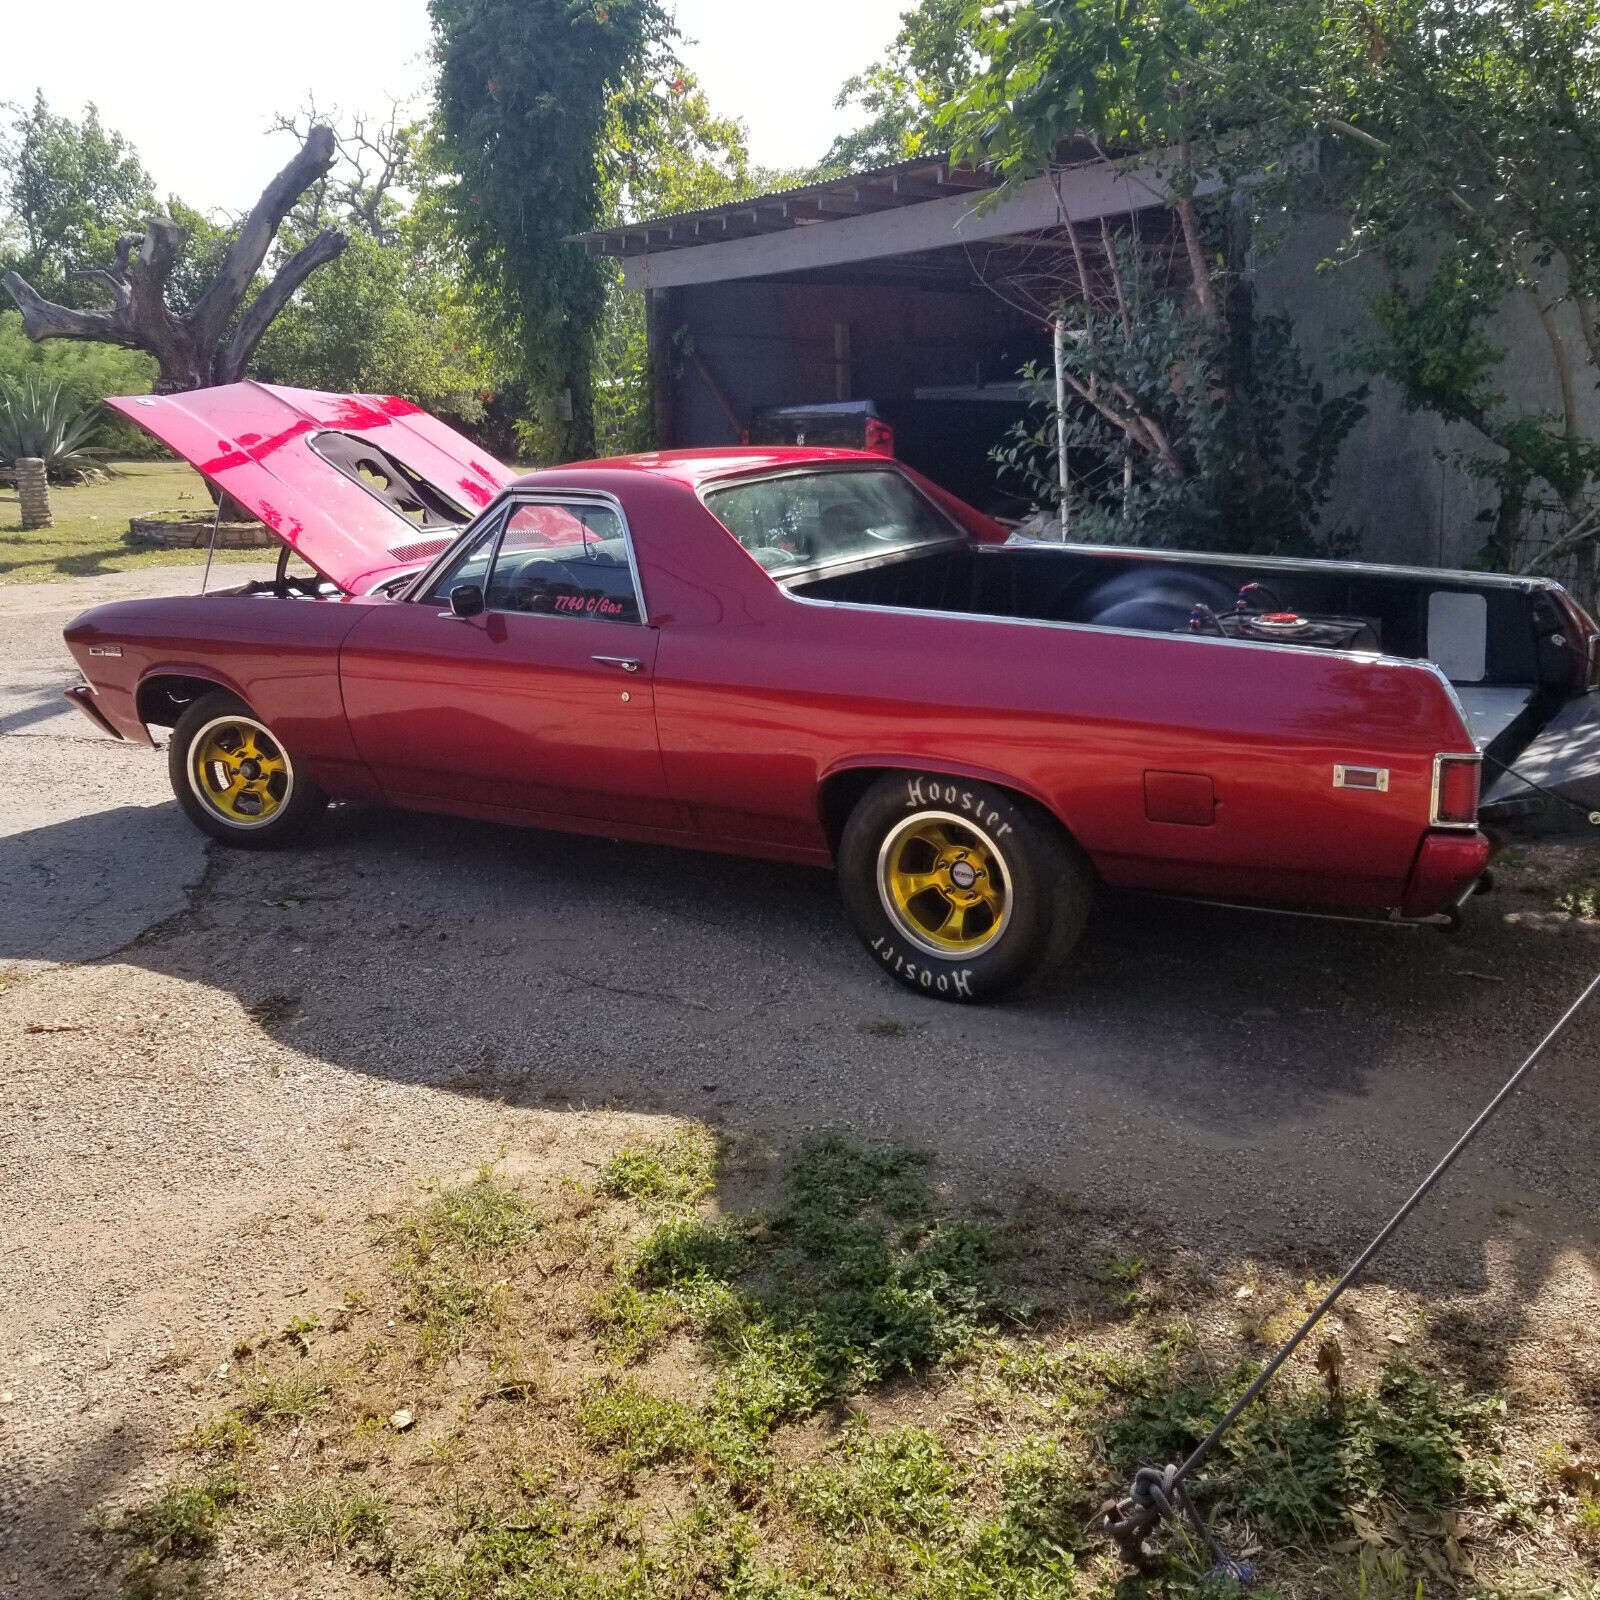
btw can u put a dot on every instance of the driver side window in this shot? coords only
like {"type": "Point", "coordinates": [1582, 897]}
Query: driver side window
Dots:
{"type": "Point", "coordinates": [568, 559]}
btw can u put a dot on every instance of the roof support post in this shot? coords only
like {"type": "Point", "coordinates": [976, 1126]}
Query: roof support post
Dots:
{"type": "Point", "coordinates": [658, 345]}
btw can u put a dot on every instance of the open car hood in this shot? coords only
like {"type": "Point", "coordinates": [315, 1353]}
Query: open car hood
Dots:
{"type": "Point", "coordinates": [358, 485]}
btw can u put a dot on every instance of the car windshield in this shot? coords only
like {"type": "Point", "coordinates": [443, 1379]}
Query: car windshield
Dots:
{"type": "Point", "coordinates": [810, 519]}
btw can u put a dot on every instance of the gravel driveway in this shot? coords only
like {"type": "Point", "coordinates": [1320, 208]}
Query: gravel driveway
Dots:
{"type": "Point", "coordinates": [212, 1064]}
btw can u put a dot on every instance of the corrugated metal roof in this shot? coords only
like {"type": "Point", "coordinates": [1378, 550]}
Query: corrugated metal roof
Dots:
{"type": "Point", "coordinates": [905, 183]}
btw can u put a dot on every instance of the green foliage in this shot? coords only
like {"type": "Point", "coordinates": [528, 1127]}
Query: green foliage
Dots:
{"type": "Point", "coordinates": [900, 1480]}
{"type": "Point", "coordinates": [391, 316]}
{"type": "Point", "coordinates": [637, 1428]}
{"type": "Point", "coordinates": [180, 1525]}
{"type": "Point", "coordinates": [931, 60]}
{"type": "Point", "coordinates": [855, 1278]}
{"type": "Point", "coordinates": [1581, 895]}
{"type": "Point", "coordinates": [38, 418]}
{"type": "Point", "coordinates": [226, 1432]}
{"type": "Point", "coordinates": [446, 1257]}
{"type": "Point", "coordinates": [1468, 141]}
{"type": "Point", "coordinates": [87, 373]}
{"type": "Point", "coordinates": [667, 152]}
{"type": "Point", "coordinates": [629, 1323]}
{"type": "Point", "coordinates": [67, 190]}
{"type": "Point", "coordinates": [526, 89]}
{"type": "Point", "coordinates": [1182, 457]}
{"type": "Point", "coordinates": [1298, 1463]}
{"type": "Point", "coordinates": [1099, 70]}
{"type": "Point", "coordinates": [677, 1172]}
{"type": "Point", "coordinates": [482, 1218]}
{"type": "Point", "coordinates": [683, 1250]}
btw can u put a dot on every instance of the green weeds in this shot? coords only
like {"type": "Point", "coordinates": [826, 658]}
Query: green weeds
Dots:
{"type": "Point", "coordinates": [678, 1172]}
{"type": "Point", "coordinates": [841, 1397]}
{"type": "Point", "coordinates": [224, 1433]}
{"type": "Point", "coordinates": [175, 1529]}
{"type": "Point", "coordinates": [275, 1397]}
{"type": "Point", "coordinates": [446, 1259]}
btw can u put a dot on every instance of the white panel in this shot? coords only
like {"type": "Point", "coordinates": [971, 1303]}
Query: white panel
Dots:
{"type": "Point", "coordinates": [1089, 192]}
{"type": "Point", "coordinates": [1458, 634]}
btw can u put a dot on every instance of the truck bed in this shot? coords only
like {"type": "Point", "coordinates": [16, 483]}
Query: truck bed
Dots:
{"type": "Point", "coordinates": [1505, 643]}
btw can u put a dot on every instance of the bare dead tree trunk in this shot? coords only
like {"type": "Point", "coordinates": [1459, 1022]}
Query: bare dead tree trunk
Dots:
{"type": "Point", "coordinates": [195, 350]}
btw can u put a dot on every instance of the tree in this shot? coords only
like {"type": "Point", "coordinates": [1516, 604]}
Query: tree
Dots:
{"type": "Point", "coordinates": [1468, 143]}
{"type": "Point", "coordinates": [933, 58]}
{"type": "Point", "coordinates": [396, 313]}
{"type": "Point", "coordinates": [669, 153]}
{"type": "Point", "coordinates": [211, 339]}
{"type": "Point", "coordinates": [526, 92]}
{"type": "Point", "coordinates": [67, 189]}
{"type": "Point", "coordinates": [1202, 422]}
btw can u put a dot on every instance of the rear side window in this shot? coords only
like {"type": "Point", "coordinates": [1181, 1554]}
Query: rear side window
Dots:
{"type": "Point", "coordinates": [564, 560]}
{"type": "Point", "coordinates": [803, 520]}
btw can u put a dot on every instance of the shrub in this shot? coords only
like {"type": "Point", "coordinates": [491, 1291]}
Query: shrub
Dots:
{"type": "Point", "coordinates": [40, 419]}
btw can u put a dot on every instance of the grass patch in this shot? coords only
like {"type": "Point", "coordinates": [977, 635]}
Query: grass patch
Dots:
{"type": "Point", "coordinates": [448, 1258]}
{"type": "Point", "coordinates": [163, 1540]}
{"type": "Point", "coordinates": [225, 1433]}
{"type": "Point", "coordinates": [1296, 1465]}
{"type": "Point", "coordinates": [326, 1520]}
{"type": "Point", "coordinates": [843, 1396]}
{"type": "Point", "coordinates": [676, 1171]}
{"type": "Point", "coordinates": [91, 518]}
{"type": "Point", "coordinates": [278, 1397]}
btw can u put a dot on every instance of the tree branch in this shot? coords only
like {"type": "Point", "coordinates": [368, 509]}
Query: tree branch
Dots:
{"type": "Point", "coordinates": [266, 305]}
{"type": "Point", "coordinates": [216, 307]}
{"type": "Point", "coordinates": [1587, 527]}
{"type": "Point", "coordinates": [44, 319]}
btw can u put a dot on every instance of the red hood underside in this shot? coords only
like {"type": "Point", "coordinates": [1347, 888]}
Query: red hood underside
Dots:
{"type": "Point", "coordinates": [254, 441]}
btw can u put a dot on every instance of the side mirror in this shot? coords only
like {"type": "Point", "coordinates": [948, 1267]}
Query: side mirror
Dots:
{"type": "Point", "coordinates": [466, 599]}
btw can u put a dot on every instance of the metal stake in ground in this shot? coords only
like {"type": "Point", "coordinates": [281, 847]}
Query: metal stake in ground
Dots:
{"type": "Point", "coordinates": [1158, 1492]}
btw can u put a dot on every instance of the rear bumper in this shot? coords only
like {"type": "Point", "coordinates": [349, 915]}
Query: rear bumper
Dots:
{"type": "Point", "coordinates": [82, 696]}
{"type": "Point", "coordinates": [1447, 866]}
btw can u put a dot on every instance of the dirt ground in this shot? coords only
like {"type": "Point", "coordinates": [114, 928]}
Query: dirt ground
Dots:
{"type": "Point", "coordinates": [214, 1065]}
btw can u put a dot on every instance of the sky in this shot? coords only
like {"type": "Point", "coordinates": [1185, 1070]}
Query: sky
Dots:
{"type": "Point", "coordinates": [194, 84]}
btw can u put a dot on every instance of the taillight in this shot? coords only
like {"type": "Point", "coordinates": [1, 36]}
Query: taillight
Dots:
{"type": "Point", "coordinates": [1456, 781]}
{"type": "Point", "coordinates": [880, 437]}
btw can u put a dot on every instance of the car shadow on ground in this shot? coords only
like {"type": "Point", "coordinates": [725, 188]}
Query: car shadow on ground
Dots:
{"type": "Point", "coordinates": [1245, 1080]}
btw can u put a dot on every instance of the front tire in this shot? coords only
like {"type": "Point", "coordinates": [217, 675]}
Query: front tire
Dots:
{"type": "Point", "coordinates": [234, 777]}
{"type": "Point", "coordinates": [958, 889]}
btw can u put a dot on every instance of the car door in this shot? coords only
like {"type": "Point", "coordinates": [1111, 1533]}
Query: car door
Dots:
{"type": "Point", "coordinates": [531, 695]}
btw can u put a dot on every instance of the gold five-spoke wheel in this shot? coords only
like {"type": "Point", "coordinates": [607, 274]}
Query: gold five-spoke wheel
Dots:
{"type": "Point", "coordinates": [239, 771]}
{"type": "Point", "coordinates": [944, 883]}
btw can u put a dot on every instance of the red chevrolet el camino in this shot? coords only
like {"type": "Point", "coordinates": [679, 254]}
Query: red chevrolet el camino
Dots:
{"type": "Point", "coordinates": [818, 656]}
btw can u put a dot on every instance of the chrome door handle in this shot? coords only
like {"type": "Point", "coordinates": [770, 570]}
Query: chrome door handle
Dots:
{"type": "Point", "coordinates": [627, 663]}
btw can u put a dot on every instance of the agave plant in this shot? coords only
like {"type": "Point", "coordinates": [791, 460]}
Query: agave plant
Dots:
{"type": "Point", "coordinates": [42, 419]}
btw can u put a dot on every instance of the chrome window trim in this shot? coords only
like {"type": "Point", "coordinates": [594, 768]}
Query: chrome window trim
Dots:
{"type": "Point", "coordinates": [502, 509]}
{"type": "Point", "coordinates": [1439, 760]}
{"type": "Point", "coordinates": [422, 579]}
{"type": "Point", "coordinates": [817, 469]}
